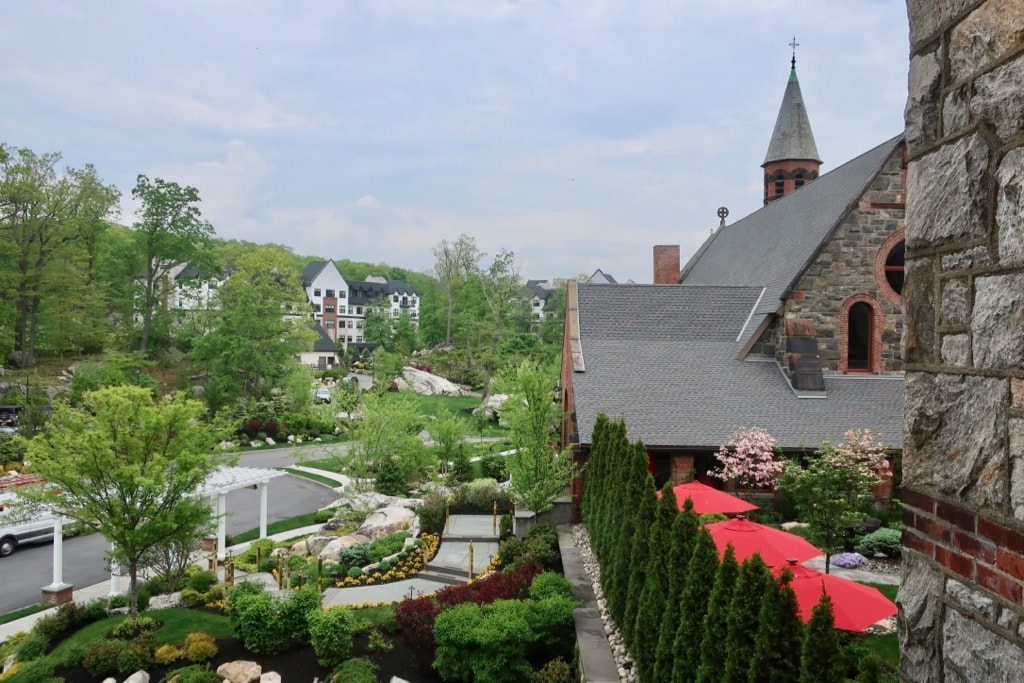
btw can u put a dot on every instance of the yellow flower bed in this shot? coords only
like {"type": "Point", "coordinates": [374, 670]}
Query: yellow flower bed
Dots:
{"type": "Point", "coordinates": [405, 569]}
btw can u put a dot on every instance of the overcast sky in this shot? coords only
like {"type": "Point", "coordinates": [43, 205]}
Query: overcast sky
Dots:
{"type": "Point", "coordinates": [578, 133]}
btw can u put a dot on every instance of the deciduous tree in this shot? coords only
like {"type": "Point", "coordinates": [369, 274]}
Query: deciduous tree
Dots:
{"type": "Point", "coordinates": [539, 473]}
{"type": "Point", "coordinates": [169, 229]}
{"type": "Point", "coordinates": [455, 262]}
{"type": "Point", "coordinates": [130, 468]}
{"type": "Point", "coordinates": [834, 491]}
{"type": "Point", "coordinates": [749, 458]}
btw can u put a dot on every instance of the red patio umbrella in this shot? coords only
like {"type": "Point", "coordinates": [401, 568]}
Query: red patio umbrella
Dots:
{"type": "Point", "coordinates": [707, 499]}
{"type": "Point", "coordinates": [854, 605]}
{"type": "Point", "coordinates": [775, 545]}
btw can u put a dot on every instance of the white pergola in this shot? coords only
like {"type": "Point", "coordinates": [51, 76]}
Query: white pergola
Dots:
{"type": "Point", "coordinates": [216, 488]}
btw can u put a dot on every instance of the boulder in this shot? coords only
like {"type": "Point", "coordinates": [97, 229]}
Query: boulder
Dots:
{"type": "Point", "coordinates": [270, 677]}
{"type": "Point", "coordinates": [300, 548]}
{"type": "Point", "coordinates": [386, 521]}
{"type": "Point", "coordinates": [430, 385]}
{"type": "Point", "coordinates": [491, 407]}
{"type": "Point", "coordinates": [138, 677]}
{"type": "Point", "coordinates": [330, 550]}
{"type": "Point", "coordinates": [240, 671]}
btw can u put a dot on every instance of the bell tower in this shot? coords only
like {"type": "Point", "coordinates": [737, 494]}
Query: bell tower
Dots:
{"type": "Point", "coordinates": [792, 160]}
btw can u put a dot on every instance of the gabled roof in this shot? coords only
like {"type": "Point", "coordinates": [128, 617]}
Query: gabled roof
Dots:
{"type": "Point", "coordinates": [541, 289]}
{"type": "Point", "coordinates": [311, 270]}
{"type": "Point", "coordinates": [602, 278]}
{"type": "Point", "coordinates": [772, 246]}
{"type": "Point", "coordinates": [323, 343]}
{"type": "Point", "coordinates": [664, 358]}
{"type": "Point", "coordinates": [792, 137]}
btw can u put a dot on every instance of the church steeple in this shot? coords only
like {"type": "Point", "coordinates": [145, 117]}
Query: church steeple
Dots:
{"type": "Point", "coordinates": [792, 158]}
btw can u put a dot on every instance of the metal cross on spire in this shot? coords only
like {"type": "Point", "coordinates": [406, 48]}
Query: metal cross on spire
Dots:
{"type": "Point", "coordinates": [794, 45]}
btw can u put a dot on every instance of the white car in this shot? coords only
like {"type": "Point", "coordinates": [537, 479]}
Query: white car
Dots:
{"type": "Point", "coordinates": [323, 395]}
{"type": "Point", "coordinates": [17, 529]}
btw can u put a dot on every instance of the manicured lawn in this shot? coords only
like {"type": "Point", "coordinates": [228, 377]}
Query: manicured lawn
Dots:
{"type": "Point", "coordinates": [275, 528]}
{"type": "Point", "coordinates": [23, 612]}
{"type": "Point", "coordinates": [431, 405]}
{"type": "Point", "coordinates": [313, 477]}
{"type": "Point", "coordinates": [886, 646]}
{"type": "Point", "coordinates": [177, 623]}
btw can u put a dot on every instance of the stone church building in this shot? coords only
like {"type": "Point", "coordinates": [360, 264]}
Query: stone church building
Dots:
{"type": "Point", "coordinates": [788, 319]}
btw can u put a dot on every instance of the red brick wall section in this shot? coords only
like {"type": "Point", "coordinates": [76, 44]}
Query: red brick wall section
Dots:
{"type": "Point", "coordinates": [682, 468]}
{"type": "Point", "coordinates": [971, 546]}
{"type": "Point", "coordinates": [666, 264]}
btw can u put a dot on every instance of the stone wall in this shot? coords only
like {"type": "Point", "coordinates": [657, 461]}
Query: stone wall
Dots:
{"type": "Point", "coordinates": [847, 267]}
{"type": "Point", "coordinates": [961, 616]}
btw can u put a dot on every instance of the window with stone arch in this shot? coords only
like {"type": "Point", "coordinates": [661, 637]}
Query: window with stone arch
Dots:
{"type": "Point", "coordinates": [860, 335]}
{"type": "Point", "coordinates": [889, 268]}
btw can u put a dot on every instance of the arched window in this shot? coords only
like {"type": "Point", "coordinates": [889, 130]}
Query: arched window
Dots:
{"type": "Point", "coordinates": [860, 327]}
{"type": "Point", "coordinates": [858, 337]}
{"type": "Point", "coordinates": [780, 185]}
{"type": "Point", "coordinates": [799, 179]}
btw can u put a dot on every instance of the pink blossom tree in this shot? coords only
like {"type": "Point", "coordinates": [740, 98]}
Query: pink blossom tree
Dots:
{"type": "Point", "coordinates": [750, 458]}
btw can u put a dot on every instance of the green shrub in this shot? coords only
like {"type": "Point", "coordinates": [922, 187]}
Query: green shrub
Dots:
{"type": "Point", "coordinates": [202, 581]}
{"type": "Point", "coordinates": [296, 610]}
{"type": "Point", "coordinates": [354, 556]}
{"type": "Point", "coordinates": [330, 633]}
{"type": "Point", "coordinates": [355, 572]}
{"type": "Point", "coordinates": [33, 646]}
{"type": "Point", "coordinates": [391, 479]}
{"type": "Point", "coordinates": [512, 551]}
{"type": "Point", "coordinates": [94, 611]}
{"type": "Point", "coordinates": [191, 597]}
{"type": "Point", "coordinates": [117, 601]}
{"type": "Point", "coordinates": [167, 654]}
{"type": "Point", "coordinates": [550, 584]}
{"type": "Point", "coordinates": [357, 670]}
{"type": "Point", "coordinates": [158, 585]}
{"type": "Point", "coordinates": [887, 542]}
{"type": "Point", "coordinates": [385, 546]}
{"type": "Point", "coordinates": [196, 673]}
{"type": "Point", "coordinates": [555, 671]}
{"type": "Point", "coordinates": [38, 671]}
{"type": "Point", "coordinates": [431, 514]}
{"type": "Point", "coordinates": [322, 516]}
{"type": "Point", "coordinates": [67, 617]}
{"type": "Point", "coordinates": [492, 466]}
{"type": "Point", "coordinates": [73, 655]}
{"type": "Point", "coordinates": [129, 629]}
{"type": "Point", "coordinates": [134, 657]}
{"type": "Point", "coordinates": [199, 647]}
{"type": "Point", "coordinates": [256, 617]}
{"type": "Point", "coordinates": [505, 526]}
{"type": "Point", "coordinates": [480, 494]}
{"type": "Point", "coordinates": [101, 659]}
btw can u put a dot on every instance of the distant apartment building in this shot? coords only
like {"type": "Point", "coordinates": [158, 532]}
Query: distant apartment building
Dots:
{"type": "Point", "coordinates": [341, 306]}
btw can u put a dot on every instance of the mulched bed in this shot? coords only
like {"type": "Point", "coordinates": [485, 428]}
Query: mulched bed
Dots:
{"type": "Point", "coordinates": [298, 665]}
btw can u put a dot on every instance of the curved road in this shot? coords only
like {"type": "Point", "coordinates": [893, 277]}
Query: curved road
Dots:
{"type": "Point", "coordinates": [30, 568]}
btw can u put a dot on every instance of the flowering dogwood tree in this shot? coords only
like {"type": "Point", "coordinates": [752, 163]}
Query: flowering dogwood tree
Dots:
{"type": "Point", "coordinates": [833, 492]}
{"type": "Point", "coordinates": [750, 459]}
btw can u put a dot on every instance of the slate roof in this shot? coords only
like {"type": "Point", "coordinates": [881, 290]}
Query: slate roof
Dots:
{"type": "Point", "coordinates": [601, 278]}
{"type": "Point", "coordinates": [311, 270]}
{"type": "Point", "coordinates": [323, 343]}
{"type": "Point", "coordinates": [541, 289]}
{"type": "Point", "coordinates": [365, 292]}
{"type": "Point", "coordinates": [665, 359]}
{"type": "Point", "coordinates": [772, 246]}
{"type": "Point", "coordinates": [792, 137]}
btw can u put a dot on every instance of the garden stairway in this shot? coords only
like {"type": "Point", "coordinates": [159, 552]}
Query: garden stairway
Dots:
{"type": "Point", "coordinates": [450, 566]}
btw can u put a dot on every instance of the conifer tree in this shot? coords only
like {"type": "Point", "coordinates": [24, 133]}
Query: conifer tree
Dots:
{"type": "Point", "coordinates": [716, 625]}
{"type": "Point", "coordinates": [613, 454]}
{"type": "Point", "coordinates": [700, 579]}
{"type": "Point", "coordinates": [822, 658]}
{"type": "Point", "coordinates": [779, 635]}
{"type": "Point", "coordinates": [683, 538]}
{"type": "Point", "coordinates": [639, 559]}
{"type": "Point", "coordinates": [656, 586]}
{"type": "Point", "coordinates": [634, 474]}
{"type": "Point", "coordinates": [753, 582]}
{"type": "Point", "coordinates": [592, 475]}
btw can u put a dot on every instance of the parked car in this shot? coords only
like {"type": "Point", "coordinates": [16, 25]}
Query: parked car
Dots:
{"type": "Point", "coordinates": [17, 529]}
{"type": "Point", "coordinates": [323, 395]}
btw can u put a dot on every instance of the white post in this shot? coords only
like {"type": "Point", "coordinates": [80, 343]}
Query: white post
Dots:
{"type": "Point", "coordinates": [263, 486]}
{"type": "Point", "coordinates": [58, 553]}
{"type": "Point", "coordinates": [115, 576]}
{"type": "Point", "coordinates": [222, 523]}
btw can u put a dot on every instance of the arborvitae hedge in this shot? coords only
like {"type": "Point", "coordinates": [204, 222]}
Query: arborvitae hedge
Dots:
{"type": "Point", "coordinates": [744, 615]}
{"type": "Point", "coordinates": [822, 656]}
{"type": "Point", "coordinates": [638, 560]}
{"type": "Point", "coordinates": [656, 588]}
{"type": "Point", "coordinates": [683, 539]}
{"type": "Point", "coordinates": [779, 635]}
{"type": "Point", "coordinates": [716, 621]}
{"type": "Point", "coordinates": [700, 579]}
{"type": "Point", "coordinates": [634, 474]}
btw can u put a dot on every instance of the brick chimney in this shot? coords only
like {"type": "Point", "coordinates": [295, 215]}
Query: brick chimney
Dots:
{"type": "Point", "coordinates": [666, 264]}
